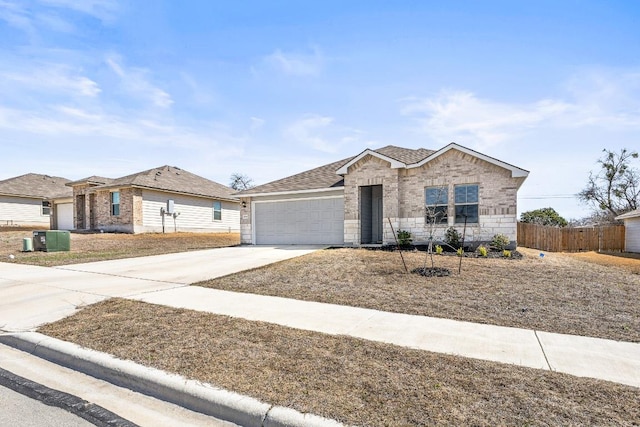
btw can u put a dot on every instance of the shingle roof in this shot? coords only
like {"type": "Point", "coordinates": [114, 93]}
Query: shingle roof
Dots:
{"type": "Point", "coordinates": [326, 176]}
{"type": "Point", "coordinates": [93, 179]}
{"type": "Point", "coordinates": [173, 179]}
{"type": "Point", "coordinates": [36, 186]}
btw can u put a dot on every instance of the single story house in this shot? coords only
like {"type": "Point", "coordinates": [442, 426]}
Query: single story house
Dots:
{"type": "Point", "coordinates": [25, 200]}
{"type": "Point", "coordinates": [631, 230]}
{"type": "Point", "coordinates": [356, 201]}
{"type": "Point", "coordinates": [163, 199]}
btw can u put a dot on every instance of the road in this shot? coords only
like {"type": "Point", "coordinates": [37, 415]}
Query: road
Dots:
{"type": "Point", "coordinates": [19, 410]}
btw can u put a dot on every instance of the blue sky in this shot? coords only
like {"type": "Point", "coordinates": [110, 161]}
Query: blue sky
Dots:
{"type": "Point", "coordinates": [100, 87]}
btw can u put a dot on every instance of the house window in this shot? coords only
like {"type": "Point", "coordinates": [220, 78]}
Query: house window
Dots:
{"type": "Point", "coordinates": [437, 199]}
{"type": "Point", "coordinates": [467, 204]}
{"type": "Point", "coordinates": [115, 203]}
{"type": "Point", "coordinates": [217, 211]}
{"type": "Point", "coordinates": [46, 208]}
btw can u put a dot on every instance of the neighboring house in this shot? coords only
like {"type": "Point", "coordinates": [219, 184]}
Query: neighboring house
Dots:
{"type": "Point", "coordinates": [164, 199]}
{"type": "Point", "coordinates": [353, 201]}
{"type": "Point", "coordinates": [25, 200]}
{"type": "Point", "coordinates": [631, 230]}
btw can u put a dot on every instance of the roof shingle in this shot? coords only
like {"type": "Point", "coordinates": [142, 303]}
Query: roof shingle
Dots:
{"type": "Point", "coordinates": [36, 186]}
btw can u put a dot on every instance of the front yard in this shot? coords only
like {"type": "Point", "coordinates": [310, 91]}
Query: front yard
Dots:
{"type": "Point", "coordinates": [361, 382]}
{"type": "Point", "coordinates": [557, 293]}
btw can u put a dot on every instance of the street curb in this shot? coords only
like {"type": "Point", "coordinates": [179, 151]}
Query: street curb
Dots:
{"type": "Point", "coordinates": [200, 397]}
{"type": "Point", "coordinates": [91, 412]}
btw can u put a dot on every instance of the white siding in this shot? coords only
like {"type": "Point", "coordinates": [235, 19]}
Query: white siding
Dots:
{"type": "Point", "coordinates": [195, 214]}
{"type": "Point", "coordinates": [22, 211]}
{"type": "Point", "coordinates": [632, 235]}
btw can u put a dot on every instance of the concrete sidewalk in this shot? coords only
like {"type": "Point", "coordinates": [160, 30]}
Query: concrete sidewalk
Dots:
{"type": "Point", "coordinates": [581, 356]}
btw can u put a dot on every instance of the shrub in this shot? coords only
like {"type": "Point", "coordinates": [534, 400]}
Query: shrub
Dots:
{"type": "Point", "coordinates": [404, 238]}
{"type": "Point", "coordinates": [506, 253]}
{"type": "Point", "coordinates": [500, 241]}
{"type": "Point", "coordinates": [460, 251]}
{"type": "Point", "coordinates": [482, 250]}
{"type": "Point", "coordinates": [439, 249]}
{"type": "Point", "coordinates": [452, 238]}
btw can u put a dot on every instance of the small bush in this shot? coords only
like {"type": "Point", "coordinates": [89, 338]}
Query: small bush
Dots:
{"type": "Point", "coordinates": [404, 238]}
{"type": "Point", "coordinates": [482, 250]}
{"type": "Point", "coordinates": [439, 249]}
{"type": "Point", "coordinates": [500, 241]}
{"type": "Point", "coordinates": [460, 251]}
{"type": "Point", "coordinates": [452, 238]}
{"type": "Point", "coordinates": [506, 253]}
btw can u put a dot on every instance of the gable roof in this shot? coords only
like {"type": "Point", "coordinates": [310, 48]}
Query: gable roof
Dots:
{"type": "Point", "coordinates": [628, 215]}
{"type": "Point", "coordinates": [421, 156]}
{"type": "Point", "coordinates": [37, 186]}
{"type": "Point", "coordinates": [174, 180]}
{"type": "Point", "coordinates": [329, 176]}
{"type": "Point", "coordinates": [92, 180]}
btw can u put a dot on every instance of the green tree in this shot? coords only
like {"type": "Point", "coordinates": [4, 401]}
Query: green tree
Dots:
{"type": "Point", "coordinates": [615, 189]}
{"type": "Point", "coordinates": [544, 216]}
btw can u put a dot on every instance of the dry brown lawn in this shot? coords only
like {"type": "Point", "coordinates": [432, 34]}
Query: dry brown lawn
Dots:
{"type": "Point", "coordinates": [355, 381]}
{"type": "Point", "coordinates": [558, 293]}
{"type": "Point", "coordinates": [103, 246]}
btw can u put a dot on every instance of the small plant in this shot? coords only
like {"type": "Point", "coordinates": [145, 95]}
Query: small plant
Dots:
{"type": "Point", "coordinates": [460, 251]}
{"type": "Point", "coordinates": [452, 238]}
{"type": "Point", "coordinates": [506, 253]}
{"type": "Point", "coordinates": [404, 238]}
{"type": "Point", "coordinates": [439, 249]}
{"type": "Point", "coordinates": [500, 241]}
{"type": "Point", "coordinates": [482, 250]}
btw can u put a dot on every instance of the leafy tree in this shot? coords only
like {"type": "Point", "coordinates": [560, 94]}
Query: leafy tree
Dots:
{"type": "Point", "coordinates": [615, 189]}
{"type": "Point", "coordinates": [240, 182]}
{"type": "Point", "coordinates": [544, 216]}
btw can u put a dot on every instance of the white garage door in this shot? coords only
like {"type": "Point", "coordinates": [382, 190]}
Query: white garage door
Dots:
{"type": "Point", "coordinates": [64, 212]}
{"type": "Point", "coordinates": [298, 222]}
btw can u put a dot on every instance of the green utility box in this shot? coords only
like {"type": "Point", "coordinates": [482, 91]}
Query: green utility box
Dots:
{"type": "Point", "coordinates": [51, 241]}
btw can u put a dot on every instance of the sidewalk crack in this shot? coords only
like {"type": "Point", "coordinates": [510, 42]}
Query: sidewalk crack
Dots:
{"type": "Point", "coordinates": [543, 352]}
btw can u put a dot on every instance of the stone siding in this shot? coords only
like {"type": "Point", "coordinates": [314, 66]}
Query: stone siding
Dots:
{"type": "Point", "coordinates": [246, 235]}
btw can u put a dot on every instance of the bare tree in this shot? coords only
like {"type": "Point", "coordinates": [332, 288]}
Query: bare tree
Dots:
{"type": "Point", "coordinates": [240, 182]}
{"type": "Point", "coordinates": [435, 214]}
{"type": "Point", "coordinates": [616, 188]}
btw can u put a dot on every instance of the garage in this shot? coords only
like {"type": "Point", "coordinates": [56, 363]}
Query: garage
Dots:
{"type": "Point", "coordinates": [64, 216]}
{"type": "Point", "coordinates": [298, 222]}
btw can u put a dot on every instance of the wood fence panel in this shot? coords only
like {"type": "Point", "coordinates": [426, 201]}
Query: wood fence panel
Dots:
{"type": "Point", "coordinates": [569, 239]}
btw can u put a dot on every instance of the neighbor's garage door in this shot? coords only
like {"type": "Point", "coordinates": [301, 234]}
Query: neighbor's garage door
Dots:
{"type": "Point", "coordinates": [64, 216]}
{"type": "Point", "coordinates": [298, 222]}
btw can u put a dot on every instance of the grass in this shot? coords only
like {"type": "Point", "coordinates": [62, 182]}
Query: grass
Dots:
{"type": "Point", "coordinates": [557, 293]}
{"type": "Point", "coordinates": [104, 246]}
{"type": "Point", "coordinates": [355, 381]}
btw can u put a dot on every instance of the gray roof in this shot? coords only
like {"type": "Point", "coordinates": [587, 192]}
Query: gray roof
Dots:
{"type": "Point", "coordinates": [326, 176]}
{"type": "Point", "coordinates": [175, 180]}
{"type": "Point", "coordinates": [93, 179]}
{"type": "Point", "coordinates": [36, 186]}
{"type": "Point", "coordinates": [629, 215]}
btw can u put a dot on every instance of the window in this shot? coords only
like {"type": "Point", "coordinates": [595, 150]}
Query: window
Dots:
{"type": "Point", "coordinates": [115, 203]}
{"type": "Point", "coordinates": [467, 204]}
{"type": "Point", "coordinates": [46, 208]}
{"type": "Point", "coordinates": [437, 199]}
{"type": "Point", "coordinates": [217, 211]}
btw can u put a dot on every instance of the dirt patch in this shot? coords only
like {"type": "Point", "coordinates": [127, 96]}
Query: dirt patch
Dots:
{"type": "Point", "coordinates": [625, 260]}
{"type": "Point", "coordinates": [556, 293]}
{"type": "Point", "coordinates": [355, 381]}
{"type": "Point", "coordinates": [103, 246]}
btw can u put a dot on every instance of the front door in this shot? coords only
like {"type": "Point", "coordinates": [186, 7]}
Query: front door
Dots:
{"type": "Point", "coordinates": [371, 214]}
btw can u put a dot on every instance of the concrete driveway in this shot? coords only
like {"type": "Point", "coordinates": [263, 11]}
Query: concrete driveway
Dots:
{"type": "Point", "coordinates": [31, 296]}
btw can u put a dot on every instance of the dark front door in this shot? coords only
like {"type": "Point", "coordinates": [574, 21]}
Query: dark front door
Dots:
{"type": "Point", "coordinates": [371, 214]}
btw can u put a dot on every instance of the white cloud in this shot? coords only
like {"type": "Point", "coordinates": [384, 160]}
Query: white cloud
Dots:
{"type": "Point", "coordinates": [257, 123]}
{"type": "Point", "coordinates": [104, 10]}
{"type": "Point", "coordinates": [135, 81]}
{"type": "Point", "coordinates": [320, 133]}
{"type": "Point", "coordinates": [296, 64]}
{"type": "Point", "coordinates": [53, 78]}
{"type": "Point", "coordinates": [594, 99]}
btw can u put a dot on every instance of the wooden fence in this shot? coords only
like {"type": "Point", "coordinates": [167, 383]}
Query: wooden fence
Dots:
{"type": "Point", "coordinates": [571, 239]}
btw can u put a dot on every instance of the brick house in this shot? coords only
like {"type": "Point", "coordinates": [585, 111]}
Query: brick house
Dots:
{"type": "Point", "coordinates": [351, 201]}
{"type": "Point", "coordinates": [164, 199]}
{"type": "Point", "coordinates": [26, 200]}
